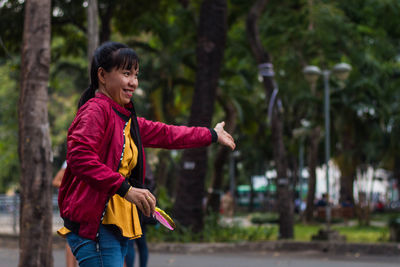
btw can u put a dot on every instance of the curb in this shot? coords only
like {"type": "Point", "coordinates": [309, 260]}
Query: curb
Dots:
{"type": "Point", "coordinates": [11, 241]}
{"type": "Point", "coordinates": [388, 249]}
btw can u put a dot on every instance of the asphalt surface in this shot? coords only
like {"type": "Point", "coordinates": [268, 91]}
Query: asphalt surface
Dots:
{"type": "Point", "coordinates": [9, 257]}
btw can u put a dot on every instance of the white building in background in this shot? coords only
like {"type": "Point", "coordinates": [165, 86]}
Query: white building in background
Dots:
{"type": "Point", "coordinates": [374, 183]}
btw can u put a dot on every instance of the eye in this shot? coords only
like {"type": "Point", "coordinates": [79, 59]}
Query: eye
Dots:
{"type": "Point", "coordinates": [127, 73]}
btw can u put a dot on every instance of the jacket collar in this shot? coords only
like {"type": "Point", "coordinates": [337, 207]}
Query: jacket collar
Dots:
{"type": "Point", "coordinates": [124, 110]}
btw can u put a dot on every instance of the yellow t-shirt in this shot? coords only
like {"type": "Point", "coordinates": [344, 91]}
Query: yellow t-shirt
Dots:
{"type": "Point", "coordinates": [119, 211]}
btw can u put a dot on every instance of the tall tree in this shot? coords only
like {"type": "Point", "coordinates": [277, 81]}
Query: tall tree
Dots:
{"type": "Point", "coordinates": [210, 50]}
{"type": "Point", "coordinates": [34, 138]}
{"type": "Point", "coordinates": [93, 28]}
{"type": "Point", "coordinates": [285, 199]}
{"type": "Point", "coordinates": [222, 155]}
{"type": "Point", "coordinates": [106, 13]}
{"type": "Point", "coordinates": [314, 139]}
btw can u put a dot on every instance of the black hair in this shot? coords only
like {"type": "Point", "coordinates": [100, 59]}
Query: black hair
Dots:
{"type": "Point", "coordinates": [108, 56]}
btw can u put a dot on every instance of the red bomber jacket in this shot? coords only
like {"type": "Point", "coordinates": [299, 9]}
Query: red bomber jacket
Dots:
{"type": "Point", "coordinates": [95, 146]}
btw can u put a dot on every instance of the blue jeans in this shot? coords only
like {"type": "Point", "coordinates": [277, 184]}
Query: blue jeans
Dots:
{"type": "Point", "coordinates": [108, 252]}
{"type": "Point", "coordinates": [142, 249]}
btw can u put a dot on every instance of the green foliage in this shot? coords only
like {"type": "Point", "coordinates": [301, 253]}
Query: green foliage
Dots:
{"type": "Point", "coordinates": [68, 78]}
{"type": "Point", "coordinates": [394, 226]}
{"type": "Point", "coordinates": [364, 33]}
{"type": "Point", "coordinates": [11, 27]}
{"type": "Point", "coordinates": [263, 218]}
{"type": "Point", "coordinates": [163, 199]}
{"type": "Point", "coordinates": [384, 217]}
{"type": "Point", "coordinates": [167, 48]}
{"type": "Point", "coordinates": [354, 234]}
{"type": "Point", "coordinates": [364, 234]}
{"type": "Point", "coordinates": [213, 232]}
{"type": "Point", "coordinates": [9, 92]}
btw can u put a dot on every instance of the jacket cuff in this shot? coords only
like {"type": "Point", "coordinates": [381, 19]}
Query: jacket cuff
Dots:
{"type": "Point", "coordinates": [214, 135]}
{"type": "Point", "coordinates": [123, 189]}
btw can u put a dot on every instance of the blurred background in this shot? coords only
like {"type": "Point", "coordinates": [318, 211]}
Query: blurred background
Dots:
{"type": "Point", "coordinates": [309, 89]}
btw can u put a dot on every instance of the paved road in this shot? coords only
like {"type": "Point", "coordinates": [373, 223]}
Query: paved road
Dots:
{"type": "Point", "coordinates": [9, 258]}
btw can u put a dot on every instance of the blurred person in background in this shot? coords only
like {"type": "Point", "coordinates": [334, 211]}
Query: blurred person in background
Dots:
{"type": "Point", "coordinates": [70, 260]}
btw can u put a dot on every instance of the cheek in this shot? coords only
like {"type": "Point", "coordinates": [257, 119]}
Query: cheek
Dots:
{"type": "Point", "coordinates": [124, 81]}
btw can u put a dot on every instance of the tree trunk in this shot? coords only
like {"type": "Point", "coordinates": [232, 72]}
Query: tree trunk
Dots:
{"type": "Point", "coordinates": [285, 198]}
{"type": "Point", "coordinates": [162, 168]}
{"type": "Point", "coordinates": [396, 173]}
{"type": "Point", "coordinates": [347, 177]}
{"type": "Point", "coordinates": [210, 50]}
{"type": "Point", "coordinates": [106, 17]}
{"type": "Point", "coordinates": [92, 29]}
{"type": "Point", "coordinates": [312, 167]}
{"type": "Point", "coordinates": [285, 201]}
{"type": "Point", "coordinates": [347, 163]}
{"type": "Point", "coordinates": [34, 139]}
{"type": "Point", "coordinates": [213, 201]}
{"type": "Point", "coordinates": [165, 172]}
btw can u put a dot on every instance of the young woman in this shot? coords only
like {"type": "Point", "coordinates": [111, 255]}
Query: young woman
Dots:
{"type": "Point", "coordinates": [102, 185]}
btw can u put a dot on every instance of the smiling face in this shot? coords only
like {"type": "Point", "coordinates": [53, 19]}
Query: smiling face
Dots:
{"type": "Point", "coordinates": [118, 84]}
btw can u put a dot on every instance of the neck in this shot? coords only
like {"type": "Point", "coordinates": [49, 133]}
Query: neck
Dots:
{"type": "Point", "coordinates": [104, 92]}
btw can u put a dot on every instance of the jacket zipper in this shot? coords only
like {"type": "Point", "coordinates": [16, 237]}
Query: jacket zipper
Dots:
{"type": "Point", "coordinates": [123, 147]}
{"type": "Point", "coordinates": [105, 207]}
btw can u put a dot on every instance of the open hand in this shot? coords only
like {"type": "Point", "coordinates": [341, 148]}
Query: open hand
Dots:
{"type": "Point", "coordinates": [143, 199]}
{"type": "Point", "coordinates": [224, 138]}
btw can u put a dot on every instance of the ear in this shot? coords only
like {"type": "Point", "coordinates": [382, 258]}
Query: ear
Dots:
{"type": "Point", "coordinates": [101, 75]}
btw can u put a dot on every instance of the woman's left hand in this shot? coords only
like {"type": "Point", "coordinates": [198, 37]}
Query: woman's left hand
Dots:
{"type": "Point", "coordinates": [224, 138]}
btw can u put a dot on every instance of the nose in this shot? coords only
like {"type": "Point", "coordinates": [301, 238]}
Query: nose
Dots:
{"type": "Point", "coordinates": [133, 82]}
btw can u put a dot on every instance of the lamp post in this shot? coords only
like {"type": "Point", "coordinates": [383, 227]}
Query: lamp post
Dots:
{"type": "Point", "coordinates": [300, 134]}
{"type": "Point", "coordinates": [341, 71]}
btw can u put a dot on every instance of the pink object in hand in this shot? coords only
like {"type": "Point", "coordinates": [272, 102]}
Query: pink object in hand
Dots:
{"type": "Point", "coordinates": [163, 218]}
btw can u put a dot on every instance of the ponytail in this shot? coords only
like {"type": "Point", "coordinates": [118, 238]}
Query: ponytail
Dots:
{"type": "Point", "coordinates": [87, 94]}
{"type": "Point", "coordinates": [94, 83]}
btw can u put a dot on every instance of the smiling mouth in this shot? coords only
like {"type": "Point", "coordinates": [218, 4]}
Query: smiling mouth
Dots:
{"type": "Point", "coordinates": [128, 91]}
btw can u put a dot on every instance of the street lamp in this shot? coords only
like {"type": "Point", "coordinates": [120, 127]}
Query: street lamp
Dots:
{"type": "Point", "coordinates": [300, 134]}
{"type": "Point", "coordinates": [341, 71]}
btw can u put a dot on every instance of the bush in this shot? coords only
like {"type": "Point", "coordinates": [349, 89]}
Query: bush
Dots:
{"type": "Point", "coordinates": [394, 227]}
{"type": "Point", "coordinates": [213, 232]}
{"type": "Point", "coordinates": [263, 218]}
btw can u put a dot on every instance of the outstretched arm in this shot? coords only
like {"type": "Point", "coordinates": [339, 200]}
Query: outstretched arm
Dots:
{"type": "Point", "coordinates": [160, 135]}
{"type": "Point", "coordinates": [224, 138]}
